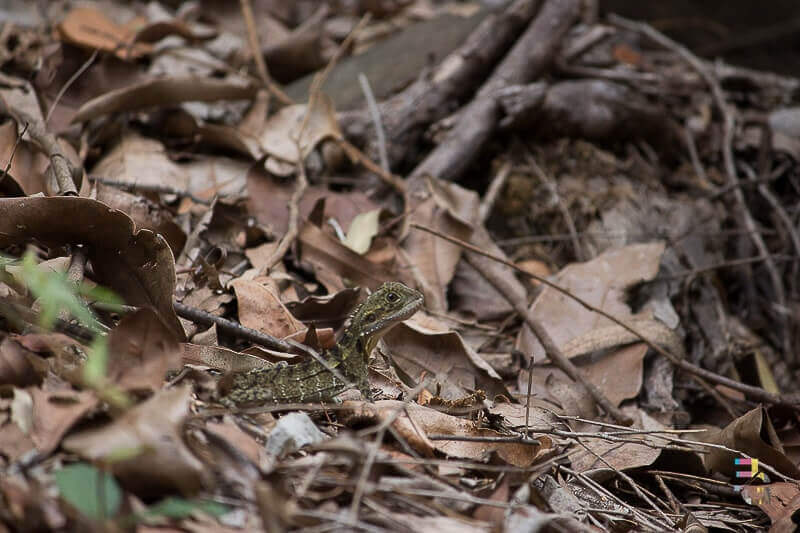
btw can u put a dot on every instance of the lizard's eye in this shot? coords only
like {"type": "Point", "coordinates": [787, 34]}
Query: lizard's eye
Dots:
{"type": "Point", "coordinates": [392, 297]}
{"type": "Point", "coordinates": [370, 317]}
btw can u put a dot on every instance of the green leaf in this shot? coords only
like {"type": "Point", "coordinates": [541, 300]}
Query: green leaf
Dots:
{"type": "Point", "coordinates": [177, 508]}
{"type": "Point", "coordinates": [91, 491]}
{"type": "Point", "coordinates": [54, 293]}
{"type": "Point", "coordinates": [96, 366]}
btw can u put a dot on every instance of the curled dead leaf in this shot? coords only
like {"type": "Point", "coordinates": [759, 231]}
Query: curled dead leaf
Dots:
{"type": "Point", "coordinates": [91, 29]}
{"type": "Point", "coordinates": [137, 264]}
{"type": "Point", "coordinates": [163, 92]}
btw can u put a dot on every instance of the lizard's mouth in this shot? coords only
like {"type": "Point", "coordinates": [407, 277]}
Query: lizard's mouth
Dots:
{"type": "Point", "coordinates": [409, 309]}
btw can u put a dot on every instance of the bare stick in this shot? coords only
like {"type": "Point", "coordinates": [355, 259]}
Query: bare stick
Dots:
{"type": "Point", "coordinates": [69, 82]}
{"type": "Point", "coordinates": [231, 327]}
{"type": "Point", "coordinates": [550, 184]}
{"type": "Point", "coordinates": [258, 57]}
{"type": "Point", "coordinates": [375, 114]}
{"type": "Point", "coordinates": [48, 144]}
{"type": "Point", "coordinates": [493, 192]}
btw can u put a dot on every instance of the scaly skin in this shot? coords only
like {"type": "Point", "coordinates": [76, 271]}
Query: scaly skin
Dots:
{"type": "Point", "coordinates": [311, 381]}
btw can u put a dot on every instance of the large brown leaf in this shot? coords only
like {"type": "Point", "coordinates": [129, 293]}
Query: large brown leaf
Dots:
{"type": "Point", "coordinates": [137, 264]}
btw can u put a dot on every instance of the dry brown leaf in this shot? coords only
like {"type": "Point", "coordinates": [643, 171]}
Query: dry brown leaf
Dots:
{"type": "Point", "coordinates": [282, 133]}
{"type": "Point", "coordinates": [142, 161]}
{"type": "Point", "coordinates": [746, 434]}
{"type": "Point", "coordinates": [491, 513]}
{"type": "Point", "coordinates": [261, 309]}
{"type": "Point", "coordinates": [220, 358]}
{"type": "Point", "coordinates": [541, 414]}
{"type": "Point", "coordinates": [259, 256]}
{"type": "Point", "coordinates": [55, 411]}
{"type": "Point", "coordinates": [157, 30]}
{"type": "Point", "coordinates": [151, 436]}
{"type": "Point", "coordinates": [416, 422]}
{"type": "Point", "coordinates": [184, 125]}
{"type": "Point", "coordinates": [145, 214]}
{"type": "Point", "coordinates": [780, 501]}
{"type": "Point", "coordinates": [452, 210]}
{"type": "Point", "coordinates": [216, 176]}
{"type": "Point", "coordinates": [237, 438]}
{"type": "Point", "coordinates": [552, 384]}
{"type": "Point", "coordinates": [18, 366]}
{"type": "Point", "coordinates": [27, 167]}
{"type": "Point", "coordinates": [19, 94]}
{"type": "Point", "coordinates": [141, 349]}
{"type": "Point", "coordinates": [89, 28]}
{"type": "Point", "coordinates": [327, 253]}
{"type": "Point", "coordinates": [327, 311]}
{"type": "Point", "coordinates": [164, 92]}
{"type": "Point", "coordinates": [299, 52]}
{"type": "Point", "coordinates": [602, 282]}
{"type": "Point", "coordinates": [619, 374]}
{"type": "Point", "coordinates": [137, 264]}
{"type": "Point", "coordinates": [268, 200]}
{"type": "Point", "coordinates": [619, 455]}
{"type": "Point", "coordinates": [471, 293]}
{"type": "Point", "coordinates": [423, 348]}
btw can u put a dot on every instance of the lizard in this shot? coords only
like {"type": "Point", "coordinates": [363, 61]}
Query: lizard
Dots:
{"type": "Point", "coordinates": [341, 367]}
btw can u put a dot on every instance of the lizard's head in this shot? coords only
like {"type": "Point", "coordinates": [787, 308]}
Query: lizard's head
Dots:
{"type": "Point", "coordinates": [390, 304]}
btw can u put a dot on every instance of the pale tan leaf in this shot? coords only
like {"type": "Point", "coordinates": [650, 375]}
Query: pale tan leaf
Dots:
{"type": "Point", "coordinates": [363, 228]}
{"type": "Point", "coordinates": [602, 282]}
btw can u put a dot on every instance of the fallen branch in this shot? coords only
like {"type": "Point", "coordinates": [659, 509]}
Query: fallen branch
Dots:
{"type": "Point", "coordinates": [529, 57]}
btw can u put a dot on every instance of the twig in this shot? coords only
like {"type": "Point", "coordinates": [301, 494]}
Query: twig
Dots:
{"type": "Point", "coordinates": [493, 192]}
{"type": "Point", "coordinates": [48, 144]}
{"type": "Point", "coordinates": [780, 212]}
{"type": "Point", "coordinates": [258, 56]}
{"type": "Point", "coordinates": [354, 153]}
{"type": "Point", "coordinates": [358, 493]}
{"type": "Point", "coordinates": [529, 57]}
{"type": "Point", "coordinates": [375, 114]}
{"type": "Point", "coordinates": [548, 182]}
{"type": "Point", "coordinates": [252, 40]}
{"type": "Point", "coordinates": [231, 327]}
{"type": "Point", "coordinates": [68, 84]}
{"type": "Point", "coordinates": [755, 393]}
{"type": "Point", "coordinates": [725, 264]}
{"type": "Point", "coordinates": [294, 212]}
{"type": "Point", "coordinates": [604, 494]}
{"type": "Point", "coordinates": [691, 147]}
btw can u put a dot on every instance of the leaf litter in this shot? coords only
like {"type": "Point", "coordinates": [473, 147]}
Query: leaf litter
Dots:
{"type": "Point", "coordinates": [614, 189]}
